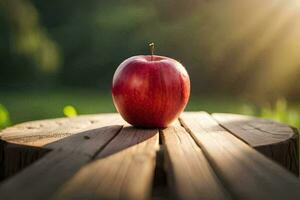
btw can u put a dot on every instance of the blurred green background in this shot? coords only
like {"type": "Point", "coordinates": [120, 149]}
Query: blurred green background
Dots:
{"type": "Point", "coordinates": [58, 57]}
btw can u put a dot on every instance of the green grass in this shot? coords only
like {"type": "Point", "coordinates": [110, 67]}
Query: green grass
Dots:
{"type": "Point", "coordinates": [16, 107]}
{"type": "Point", "coordinates": [33, 105]}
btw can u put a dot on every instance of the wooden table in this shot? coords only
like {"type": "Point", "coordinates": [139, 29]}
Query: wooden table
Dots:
{"type": "Point", "coordinates": [201, 156]}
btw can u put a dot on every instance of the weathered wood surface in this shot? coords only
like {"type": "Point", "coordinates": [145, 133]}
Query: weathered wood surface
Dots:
{"type": "Point", "coordinates": [20, 145]}
{"type": "Point", "coordinates": [42, 132]}
{"type": "Point", "coordinates": [102, 157]}
{"type": "Point", "coordinates": [245, 173]}
{"type": "Point", "coordinates": [275, 140]}
{"type": "Point", "coordinates": [123, 170]}
{"type": "Point", "coordinates": [100, 161]}
{"type": "Point", "coordinates": [190, 175]}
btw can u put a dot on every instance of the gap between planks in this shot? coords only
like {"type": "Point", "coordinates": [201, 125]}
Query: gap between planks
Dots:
{"type": "Point", "coordinates": [246, 173]}
{"type": "Point", "coordinates": [189, 172]}
{"type": "Point", "coordinates": [98, 152]}
{"type": "Point", "coordinates": [46, 175]}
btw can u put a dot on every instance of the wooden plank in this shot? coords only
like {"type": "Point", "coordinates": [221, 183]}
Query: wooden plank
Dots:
{"type": "Point", "coordinates": [189, 172]}
{"type": "Point", "coordinates": [21, 144]}
{"type": "Point", "coordinates": [246, 173]}
{"type": "Point", "coordinates": [123, 170]}
{"type": "Point", "coordinates": [255, 131]}
{"type": "Point", "coordinates": [15, 157]}
{"type": "Point", "coordinates": [44, 177]}
{"type": "Point", "coordinates": [275, 140]}
{"type": "Point", "coordinates": [42, 132]}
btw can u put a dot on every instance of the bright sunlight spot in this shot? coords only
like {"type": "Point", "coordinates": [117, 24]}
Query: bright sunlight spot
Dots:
{"type": "Point", "coordinates": [70, 111]}
{"type": "Point", "coordinates": [4, 117]}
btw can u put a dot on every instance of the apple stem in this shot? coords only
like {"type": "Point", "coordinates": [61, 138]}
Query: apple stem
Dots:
{"type": "Point", "coordinates": [151, 45]}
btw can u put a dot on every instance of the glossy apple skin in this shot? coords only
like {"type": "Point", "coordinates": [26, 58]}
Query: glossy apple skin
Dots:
{"type": "Point", "coordinates": [150, 92]}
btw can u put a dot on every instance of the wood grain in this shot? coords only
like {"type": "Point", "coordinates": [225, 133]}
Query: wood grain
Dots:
{"type": "Point", "coordinates": [246, 173]}
{"type": "Point", "coordinates": [21, 144]}
{"type": "Point", "coordinates": [45, 176]}
{"type": "Point", "coordinates": [189, 172]}
{"type": "Point", "coordinates": [102, 157]}
{"type": "Point", "coordinates": [123, 170]}
{"type": "Point", "coordinates": [275, 140]}
{"type": "Point", "coordinates": [42, 132]}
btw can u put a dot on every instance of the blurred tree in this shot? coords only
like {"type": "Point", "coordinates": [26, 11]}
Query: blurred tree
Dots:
{"type": "Point", "coordinates": [4, 117]}
{"type": "Point", "coordinates": [229, 47]}
{"type": "Point", "coordinates": [27, 48]}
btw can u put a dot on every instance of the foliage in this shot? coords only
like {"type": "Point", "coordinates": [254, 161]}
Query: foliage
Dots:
{"type": "Point", "coordinates": [230, 48]}
{"type": "Point", "coordinates": [70, 111]}
{"type": "Point", "coordinates": [281, 112]}
{"type": "Point", "coordinates": [34, 105]}
{"type": "Point", "coordinates": [4, 117]}
{"type": "Point", "coordinates": [28, 53]}
{"type": "Point", "coordinates": [245, 48]}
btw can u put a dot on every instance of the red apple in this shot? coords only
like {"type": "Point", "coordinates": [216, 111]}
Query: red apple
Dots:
{"type": "Point", "coordinates": [150, 91]}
